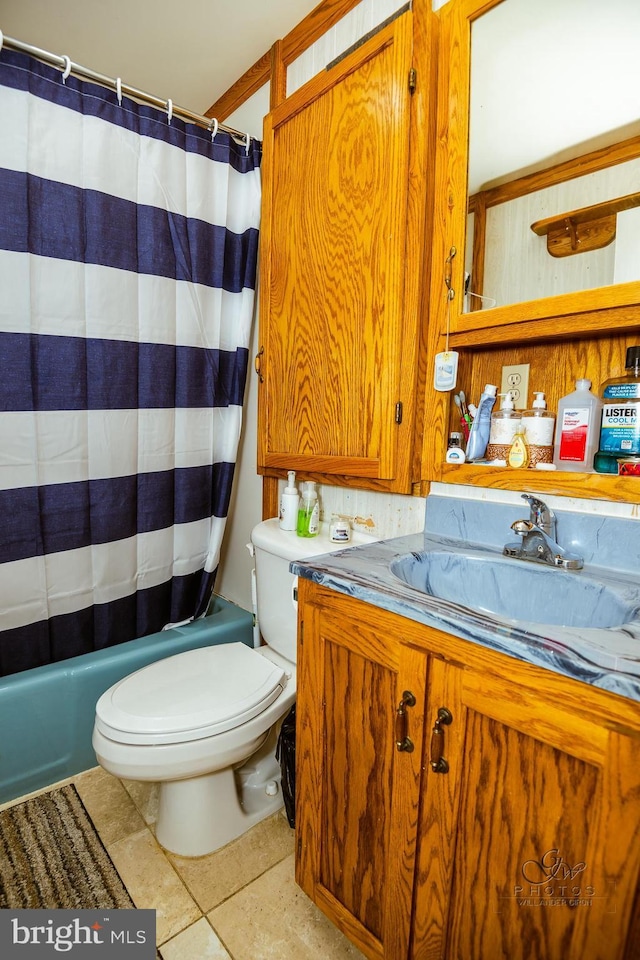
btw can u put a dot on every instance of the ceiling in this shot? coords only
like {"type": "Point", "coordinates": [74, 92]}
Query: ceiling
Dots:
{"type": "Point", "coordinates": [191, 51]}
{"type": "Point", "coordinates": [550, 81]}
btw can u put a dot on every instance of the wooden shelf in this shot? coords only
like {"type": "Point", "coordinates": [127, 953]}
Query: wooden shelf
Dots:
{"type": "Point", "coordinates": [497, 327]}
{"type": "Point", "coordinates": [595, 212]}
{"type": "Point", "coordinates": [589, 228]}
{"type": "Point", "coordinates": [586, 486]}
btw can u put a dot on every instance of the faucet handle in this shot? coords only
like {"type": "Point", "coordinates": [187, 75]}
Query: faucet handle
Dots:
{"type": "Point", "coordinates": [522, 527]}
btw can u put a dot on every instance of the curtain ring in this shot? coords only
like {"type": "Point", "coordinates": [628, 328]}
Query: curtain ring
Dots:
{"type": "Point", "coordinates": [67, 68]}
{"type": "Point", "coordinates": [213, 128]}
{"type": "Point", "coordinates": [169, 110]}
{"type": "Point", "coordinates": [119, 90]}
{"type": "Point", "coordinates": [1, 40]}
{"type": "Point", "coordinates": [246, 148]}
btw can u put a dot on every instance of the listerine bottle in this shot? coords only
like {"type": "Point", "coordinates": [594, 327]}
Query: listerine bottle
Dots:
{"type": "Point", "coordinates": [620, 424]}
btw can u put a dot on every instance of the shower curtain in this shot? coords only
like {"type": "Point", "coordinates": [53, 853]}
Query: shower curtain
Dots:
{"type": "Point", "coordinates": [128, 250]}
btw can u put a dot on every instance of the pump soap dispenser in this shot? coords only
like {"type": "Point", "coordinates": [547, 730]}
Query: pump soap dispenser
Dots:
{"type": "Point", "coordinates": [289, 504]}
{"type": "Point", "coordinates": [539, 425]}
{"type": "Point", "coordinates": [504, 423]}
{"type": "Point", "coordinates": [308, 511]}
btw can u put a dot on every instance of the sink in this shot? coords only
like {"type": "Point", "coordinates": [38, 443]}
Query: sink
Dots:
{"type": "Point", "coordinates": [515, 589]}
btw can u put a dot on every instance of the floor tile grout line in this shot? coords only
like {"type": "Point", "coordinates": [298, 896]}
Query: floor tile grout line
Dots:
{"type": "Point", "coordinates": [244, 886]}
{"type": "Point", "coordinates": [175, 871]}
{"type": "Point", "coordinates": [231, 956]}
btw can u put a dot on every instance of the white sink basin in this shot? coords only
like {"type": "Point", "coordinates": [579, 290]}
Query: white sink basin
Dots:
{"type": "Point", "coordinates": [515, 589]}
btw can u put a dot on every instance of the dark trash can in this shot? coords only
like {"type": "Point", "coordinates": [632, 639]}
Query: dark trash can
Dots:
{"type": "Point", "coordinates": [286, 755]}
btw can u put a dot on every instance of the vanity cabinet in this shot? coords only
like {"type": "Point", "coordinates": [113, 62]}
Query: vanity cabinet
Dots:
{"type": "Point", "coordinates": [342, 242]}
{"type": "Point", "coordinates": [357, 796]}
{"type": "Point", "coordinates": [524, 842]}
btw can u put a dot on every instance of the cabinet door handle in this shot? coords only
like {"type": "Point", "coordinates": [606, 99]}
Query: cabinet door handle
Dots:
{"type": "Point", "coordinates": [258, 364]}
{"type": "Point", "coordinates": [438, 762]}
{"type": "Point", "coordinates": [448, 270]}
{"type": "Point", "coordinates": [403, 741]}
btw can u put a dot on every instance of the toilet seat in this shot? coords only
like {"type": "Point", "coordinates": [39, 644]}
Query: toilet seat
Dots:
{"type": "Point", "coordinates": [190, 696]}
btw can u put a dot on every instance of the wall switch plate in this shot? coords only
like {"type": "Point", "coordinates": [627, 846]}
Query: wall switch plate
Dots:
{"type": "Point", "coordinates": [515, 380]}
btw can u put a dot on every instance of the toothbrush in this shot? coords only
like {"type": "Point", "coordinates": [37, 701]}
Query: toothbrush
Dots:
{"type": "Point", "coordinates": [464, 408]}
{"type": "Point", "coordinates": [463, 420]}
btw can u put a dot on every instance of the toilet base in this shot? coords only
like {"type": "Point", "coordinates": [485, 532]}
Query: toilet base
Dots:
{"type": "Point", "coordinates": [201, 814]}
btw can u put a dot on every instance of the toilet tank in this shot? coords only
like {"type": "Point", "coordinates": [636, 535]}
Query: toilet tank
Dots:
{"type": "Point", "coordinates": [277, 604]}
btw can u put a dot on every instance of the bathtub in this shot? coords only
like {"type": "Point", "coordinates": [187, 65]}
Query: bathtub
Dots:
{"type": "Point", "coordinates": [46, 714]}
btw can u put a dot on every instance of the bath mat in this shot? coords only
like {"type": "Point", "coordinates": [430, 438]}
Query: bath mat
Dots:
{"type": "Point", "coordinates": [52, 857]}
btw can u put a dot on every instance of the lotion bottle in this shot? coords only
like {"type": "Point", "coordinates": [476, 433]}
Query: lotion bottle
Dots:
{"type": "Point", "coordinates": [504, 423]}
{"type": "Point", "coordinates": [308, 511]}
{"type": "Point", "coordinates": [289, 504]}
{"type": "Point", "coordinates": [577, 429]}
{"type": "Point", "coordinates": [538, 424]}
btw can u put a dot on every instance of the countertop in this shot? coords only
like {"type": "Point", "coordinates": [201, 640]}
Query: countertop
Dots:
{"type": "Point", "coordinates": [606, 658]}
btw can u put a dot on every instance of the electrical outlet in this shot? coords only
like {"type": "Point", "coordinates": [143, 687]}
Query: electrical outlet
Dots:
{"type": "Point", "coordinates": [515, 380]}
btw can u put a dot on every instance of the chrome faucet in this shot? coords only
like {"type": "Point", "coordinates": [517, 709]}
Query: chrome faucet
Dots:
{"type": "Point", "coordinates": [538, 535]}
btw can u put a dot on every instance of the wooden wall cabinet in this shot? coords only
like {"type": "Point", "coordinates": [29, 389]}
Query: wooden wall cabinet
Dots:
{"type": "Point", "coordinates": [341, 258]}
{"type": "Point", "coordinates": [528, 846]}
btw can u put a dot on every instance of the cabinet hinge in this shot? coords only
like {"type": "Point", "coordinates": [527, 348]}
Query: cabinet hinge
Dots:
{"type": "Point", "coordinates": [413, 80]}
{"type": "Point", "coordinates": [399, 411]}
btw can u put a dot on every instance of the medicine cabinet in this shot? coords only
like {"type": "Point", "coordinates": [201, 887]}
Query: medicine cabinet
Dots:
{"type": "Point", "coordinates": [524, 116]}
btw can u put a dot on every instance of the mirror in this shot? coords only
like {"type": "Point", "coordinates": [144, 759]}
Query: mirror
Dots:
{"type": "Point", "coordinates": [554, 137]}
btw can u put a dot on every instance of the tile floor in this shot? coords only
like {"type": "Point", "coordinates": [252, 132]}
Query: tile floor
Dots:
{"type": "Point", "coordinates": [239, 903]}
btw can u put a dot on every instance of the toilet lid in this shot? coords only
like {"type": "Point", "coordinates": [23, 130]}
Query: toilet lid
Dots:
{"type": "Point", "coordinates": [190, 696]}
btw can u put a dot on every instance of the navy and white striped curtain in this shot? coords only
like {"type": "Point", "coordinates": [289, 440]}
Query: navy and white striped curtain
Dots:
{"type": "Point", "coordinates": [128, 250]}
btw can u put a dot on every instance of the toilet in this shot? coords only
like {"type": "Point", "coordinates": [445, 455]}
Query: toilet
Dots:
{"type": "Point", "coordinates": [204, 723]}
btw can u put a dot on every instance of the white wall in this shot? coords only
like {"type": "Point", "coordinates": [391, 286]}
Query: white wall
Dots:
{"type": "Point", "coordinates": [234, 573]}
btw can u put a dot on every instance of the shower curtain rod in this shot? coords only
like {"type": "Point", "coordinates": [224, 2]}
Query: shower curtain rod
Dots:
{"type": "Point", "coordinates": [172, 109]}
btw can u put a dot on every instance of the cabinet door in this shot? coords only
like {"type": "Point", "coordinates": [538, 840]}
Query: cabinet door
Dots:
{"type": "Point", "coordinates": [335, 189]}
{"type": "Point", "coordinates": [356, 793]}
{"type": "Point", "coordinates": [531, 840]}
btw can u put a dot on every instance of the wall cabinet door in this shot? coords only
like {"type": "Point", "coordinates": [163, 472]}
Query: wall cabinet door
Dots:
{"type": "Point", "coordinates": [357, 795]}
{"type": "Point", "coordinates": [530, 844]}
{"type": "Point", "coordinates": [337, 350]}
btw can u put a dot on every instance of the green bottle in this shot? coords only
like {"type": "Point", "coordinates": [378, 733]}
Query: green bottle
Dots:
{"type": "Point", "coordinates": [308, 511]}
